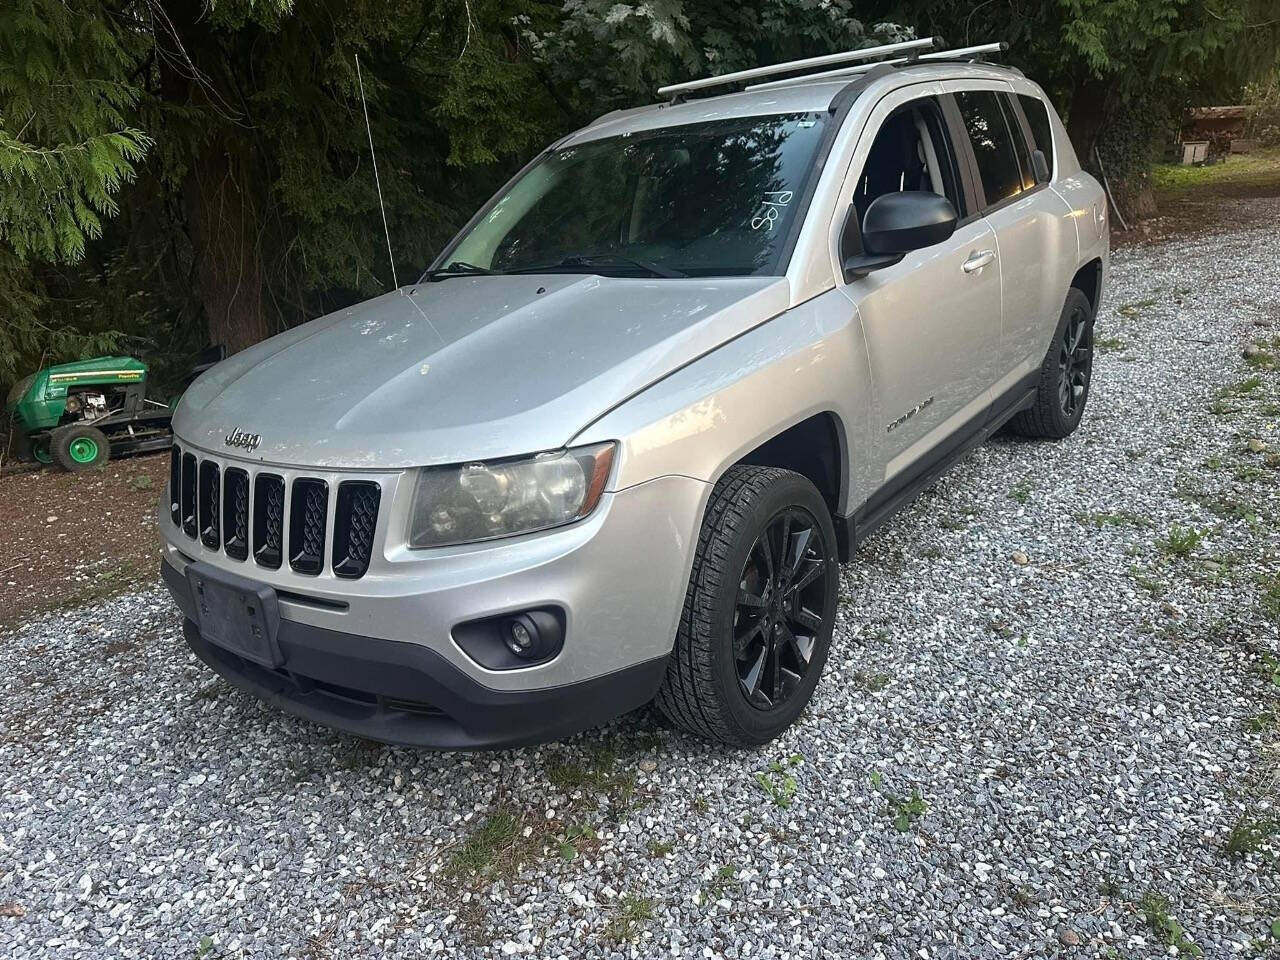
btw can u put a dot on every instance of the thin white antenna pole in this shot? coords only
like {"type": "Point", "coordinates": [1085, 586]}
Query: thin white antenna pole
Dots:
{"type": "Point", "coordinates": [376, 179]}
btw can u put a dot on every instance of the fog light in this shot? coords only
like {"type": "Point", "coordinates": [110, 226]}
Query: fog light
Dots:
{"type": "Point", "coordinates": [522, 637]}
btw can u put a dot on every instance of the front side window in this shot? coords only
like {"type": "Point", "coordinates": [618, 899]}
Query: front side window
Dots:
{"type": "Point", "coordinates": [707, 199]}
{"type": "Point", "coordinates": [911, 151]}
{"type": "Point", "coordinates": [992, 144]}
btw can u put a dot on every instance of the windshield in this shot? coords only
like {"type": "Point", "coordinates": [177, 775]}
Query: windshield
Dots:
{"type": "Point", "coordinates": [707, 199]}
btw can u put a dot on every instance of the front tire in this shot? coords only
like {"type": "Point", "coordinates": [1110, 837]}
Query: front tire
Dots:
{"type": "Point", "coordinates": [1065, 375]}
{"type": "Point", "coordinates": [79, 447]}
{"type": "Point", "coordinates": [759, 611]}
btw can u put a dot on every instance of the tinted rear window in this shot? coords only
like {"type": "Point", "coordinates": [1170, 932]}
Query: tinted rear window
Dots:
{"type": "Point", "coordinates": [992, 144]}
{"type": "Point", "coordinates": [1038, 120]}
{"type": "Point", "coordinates": [1019, 142]}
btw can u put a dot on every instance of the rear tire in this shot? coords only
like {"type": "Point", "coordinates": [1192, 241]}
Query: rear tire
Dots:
{"type": "Point", "coordinates": [27, 450]}
{"type": "Point", "coordinates": [1065, 375]}
{"type": "Point", "coordinates": [759, 611]}
{"type": "Point", "coordinates": [79, 447]}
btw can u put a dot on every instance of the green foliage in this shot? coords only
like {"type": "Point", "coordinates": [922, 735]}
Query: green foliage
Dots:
{"type": "Point", "coordinates": [66, 143]}
{"type": "Point", "coordinates": [605, 54]}
{"type": "Point", "coordinates": [1120, 71]}
{"type": "Point", "coordinates": [190, 172]}
{"type": "Point", "coordinates": [1264, 96]}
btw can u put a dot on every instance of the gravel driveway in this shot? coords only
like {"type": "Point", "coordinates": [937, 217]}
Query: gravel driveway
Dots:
{"type": "Point", "coordinates": [1050, 726]}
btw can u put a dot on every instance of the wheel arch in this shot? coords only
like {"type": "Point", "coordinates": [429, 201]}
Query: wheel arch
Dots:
{"type": "Point", "coordinates": [1088, 280]}
{"type": "Point", "coordinates": [815, 447]}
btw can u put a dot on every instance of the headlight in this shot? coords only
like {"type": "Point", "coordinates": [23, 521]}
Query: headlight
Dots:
{"type": "Point", "coordinates": [482, 501]}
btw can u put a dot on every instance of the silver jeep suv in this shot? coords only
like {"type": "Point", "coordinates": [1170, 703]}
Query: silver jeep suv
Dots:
{"type": "Point", "coordinates": [611, 448]}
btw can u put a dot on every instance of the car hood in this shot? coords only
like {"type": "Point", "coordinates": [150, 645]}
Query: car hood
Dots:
{"type": "Point", "coordinates": [467, 368]}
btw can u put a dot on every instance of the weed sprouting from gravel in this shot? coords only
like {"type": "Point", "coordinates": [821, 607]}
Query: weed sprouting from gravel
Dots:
{"type": "Point", "coordinates": [1155, 911]}
{"type": "Point", "coordinates": [779, 783]}
{"type": "Point", "coordinates": [1021, 492]}
{"type": "Point", "coordinates": [629, 918]}
{"type": "Point", "coordinates": [1269, 595]}
{"type": "Point", "coordinates": [659, 849]}
{"type": "Point", "coordinates": [1249, 835]}
{"type": "Point", "coordinates": [874, 682]}
{"type": "Point", "coordinates": [1131, 310]}
{"type": "Point", "coordinates": [1181, 541]}
{"type": "Point", "coordinates": [905, 811]}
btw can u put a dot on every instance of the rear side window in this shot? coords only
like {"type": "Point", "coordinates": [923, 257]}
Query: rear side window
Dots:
{"type": "Point", "coordinates": [1038, 120]}
{"type": "Point", "coordinates": [992, 144]}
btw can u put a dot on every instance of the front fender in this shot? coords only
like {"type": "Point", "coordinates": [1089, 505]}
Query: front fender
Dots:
{"type": "Point", "coordinates": [704, 417]}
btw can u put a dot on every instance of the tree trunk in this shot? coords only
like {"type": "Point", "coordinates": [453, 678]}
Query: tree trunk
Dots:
{"type": "Point", "coordinates": [1084, 122]}
{"type": "Point", "coordinates": [225, 234]}
{"type": "Point", "coordinates": [223, 194]}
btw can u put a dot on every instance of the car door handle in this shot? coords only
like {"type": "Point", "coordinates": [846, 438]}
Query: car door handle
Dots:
{"type": "Point", "coordinates": [978, 260]}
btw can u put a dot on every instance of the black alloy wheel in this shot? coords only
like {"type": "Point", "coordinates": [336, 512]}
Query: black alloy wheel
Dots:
{"type": "Point", "coordinates": [1075, 362]}
{"type": "Point", "coordinates": [760, 609]}
{"type": "Point", "coordinates": [782, 596]}
{"type": "Point", "coordinates": [1066, 374]}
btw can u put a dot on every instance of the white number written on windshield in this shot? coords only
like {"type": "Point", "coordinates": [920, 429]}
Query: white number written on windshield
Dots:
{"type": "Point", "coordinates": [774, 201]}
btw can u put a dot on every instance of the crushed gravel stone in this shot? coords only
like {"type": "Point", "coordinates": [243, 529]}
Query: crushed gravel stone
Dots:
{"type": "Point", "coordinates": [1049, 727]}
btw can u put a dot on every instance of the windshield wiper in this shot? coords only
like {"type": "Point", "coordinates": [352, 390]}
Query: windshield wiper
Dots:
{"type": "Point", "coordinates": [604, 259]}
{"type": "Point", "coordinates": [457, 268]}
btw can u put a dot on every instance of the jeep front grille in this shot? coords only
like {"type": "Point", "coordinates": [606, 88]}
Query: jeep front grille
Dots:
{"type": "Point", "coordinates": [241, 513]}
{"type": "Point", "coordinates": [307, 516]}
{"type": "Point", "coordinates": [235, 513]}
{"type": "Point", "coordinates": [208, 489]}
{"type": "Point", "coordinates": [175, 486]}
{"type": "Point", "coordinates": [189, 495]}
{"type": "Point", "coordinates": [355, 517]}
{"type": "Point", "coordinates": [268, 520]}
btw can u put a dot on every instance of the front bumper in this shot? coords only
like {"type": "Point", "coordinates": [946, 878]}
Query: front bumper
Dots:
{"type": "Point", "coordinates": [406, 693]}
{"type": "Point", "coordinates": [377, 656]}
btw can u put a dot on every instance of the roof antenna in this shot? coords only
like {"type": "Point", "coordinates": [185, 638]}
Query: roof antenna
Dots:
{"type": "Point", "coordinates": [376, 179]}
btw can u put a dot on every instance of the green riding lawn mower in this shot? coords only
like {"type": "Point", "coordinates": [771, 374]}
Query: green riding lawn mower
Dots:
{"type": "Point", "coordinates": [79, 415]}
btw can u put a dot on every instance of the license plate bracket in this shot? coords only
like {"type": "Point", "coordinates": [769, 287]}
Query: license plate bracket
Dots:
{"type": "Point", "coordinates": [236, 613]}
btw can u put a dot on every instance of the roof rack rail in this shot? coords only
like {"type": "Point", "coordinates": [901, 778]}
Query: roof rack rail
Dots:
{"type": "Point", "coordinates": [964, 54]}
{"type": "Point", "coordinates": [676, 90]}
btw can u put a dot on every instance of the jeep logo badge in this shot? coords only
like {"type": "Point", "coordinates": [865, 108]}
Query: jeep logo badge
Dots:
{"type": "Point", "coordinates": [239, 438]}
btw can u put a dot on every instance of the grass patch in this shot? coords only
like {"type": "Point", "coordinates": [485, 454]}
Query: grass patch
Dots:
{"type": "Point", "coordinates": [1181, 541]}
{"type": "Point", "coordinates": [658, 850]}
{"type": "Point", "coordinates": [600, 776]}
{"type": "Point", "coordinates": [1242, 389]}
{"type": "Point", "coordinates": [1249, 835]}
{"type": "Point", "coordinates": [1246, 174]}
{"type": "Point", "coordinates": [875, 682]}
{"type": "Point", "coordinates": [1021, 493]}
{"type": "Point", "coordinates": [1137, 306]}
{"type": "Point", "coordinates": [1155, 911]}
{"type": "Point", "coordinates": [1262, 356]}
{"type": "Point", "coordinates": [493, 848]}
{"type": "Point", "coordinates": [1113, 518]}
{"type": "Point", "coordinates": [1149, 584]}
{"type": "Point", "coordinates": [628, 919]}
{"type": "Point", "coordinates": [1266, 720]}
{"type": "Point", "coordinates": [1269, 594]}
{"type": "Point", "coordinates": [1109, 344]}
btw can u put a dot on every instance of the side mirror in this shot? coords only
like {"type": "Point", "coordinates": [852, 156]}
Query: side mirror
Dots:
{"type": "Point", "coordinates": [896, 224]}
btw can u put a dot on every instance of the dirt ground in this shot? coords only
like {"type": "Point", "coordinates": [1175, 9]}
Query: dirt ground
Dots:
{"type": "Point", "coordinates": [1194, 200]}
{"type": "Point", "coordinates": [67, 538]}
